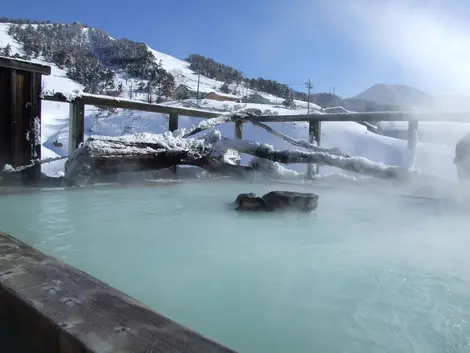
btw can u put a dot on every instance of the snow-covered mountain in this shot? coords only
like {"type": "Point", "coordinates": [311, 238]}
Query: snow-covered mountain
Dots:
{"type": "Point", "coordinates": [397, 95]}
{"type": "Point", "coordinates": [434, 157]}
{"type": "Point", "coordinates": [406, 97]}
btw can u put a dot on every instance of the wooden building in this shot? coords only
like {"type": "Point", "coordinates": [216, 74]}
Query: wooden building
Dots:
{"type": "Point", "coordinates": [257, 99]}
{"type": "Point", "coordinates": [221, 97]}
{"type": "Point", "coordinates": [20, 114]}
{"type": "Point", "coordinates": [185, 92]}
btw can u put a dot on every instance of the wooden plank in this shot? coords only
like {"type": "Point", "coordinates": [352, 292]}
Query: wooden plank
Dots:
{"type": "Point", "coordinates": [132, 105]}
{"type": "Point", "coordinates": [57, 308]}
{"type": "Point", "coordinates": [76, 124]}
{"type": "Point", "coordinates": [36, 113]}
{"type": "Point", "coordinates": [17, 106]}
{"type": "Point", "coordinates": [24, 65]}
{"type": "Point", "coordinates": [239, 130]}
{"type": "Point", "coordinates": [314, 133]}
{"type": "Point", "coordinates": [5, 114]}
{"type": "Point", "coordinates": [412, 142]}
{"type": "Point", "coordinates": [31, 126]}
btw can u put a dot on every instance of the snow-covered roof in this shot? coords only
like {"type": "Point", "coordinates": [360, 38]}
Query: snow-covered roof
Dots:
{"type": "Point", "coordinates": [26, 65]}
{"type": "Point", "coordinates": [192, 89]}
{"type": "Point", "coordinates": [228, 95]}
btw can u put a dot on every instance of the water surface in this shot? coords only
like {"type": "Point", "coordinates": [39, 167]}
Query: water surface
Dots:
{"type": "Point", "coordinates": [366, 272]}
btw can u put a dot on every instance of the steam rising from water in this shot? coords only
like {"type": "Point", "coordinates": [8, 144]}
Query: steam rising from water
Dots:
{"type": "Point", "coordinates": [430, 42]}
{"type": "Point", "coordinates": [429, 39]}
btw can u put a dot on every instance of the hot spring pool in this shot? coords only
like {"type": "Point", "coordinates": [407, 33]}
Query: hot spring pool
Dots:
{"type": "Point", "coordinates": [366, 272]}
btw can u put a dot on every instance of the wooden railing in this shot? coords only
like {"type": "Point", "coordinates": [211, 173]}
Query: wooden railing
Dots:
{"type": "Point", "coordinates": [78, 103]}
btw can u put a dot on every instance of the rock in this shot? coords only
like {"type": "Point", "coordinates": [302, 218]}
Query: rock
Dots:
{"type": "Point", "coordinates": [244, 196]}
{"type": "Point", "coordinates": [252, 204]}
{"type": "Point", "coordinates": [277, 200]}
{"type": "Point", "coordinates": [249, 202]}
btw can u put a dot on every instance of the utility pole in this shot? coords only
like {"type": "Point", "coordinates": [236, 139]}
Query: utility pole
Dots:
{"type": "Point", "coordinates": [198, 76]}
{"type": "Point", "coordinates": [334, 96]}
{"type": "Point", "coordinates": [309, 86]}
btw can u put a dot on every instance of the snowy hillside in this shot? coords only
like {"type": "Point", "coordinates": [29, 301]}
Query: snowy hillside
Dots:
{"type": "Point", "coordinates": [434, 156]}
{"type": "Point", "coordinates": [397, 95]}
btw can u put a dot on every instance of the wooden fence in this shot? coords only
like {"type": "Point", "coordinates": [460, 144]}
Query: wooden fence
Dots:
{"type": "Point", "coordinates": [78, 103]}
{"type": "Point", "coordinates": [20, 114]}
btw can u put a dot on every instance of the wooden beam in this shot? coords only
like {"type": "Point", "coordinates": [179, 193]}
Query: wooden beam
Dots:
{"type": "Point", "coordinates": [316, 116]}
{"type": "Point", "coordinates": [412, 142]}
{"type": "Point", "coordinates": [314, 133]}
{"type": "Point", "coordinates": [122, 103]}
{"type": "Point", "coordinates": [76, 124]}
{"type": "Point", "coordinates": [173, 122]}
{"type": "Point", "coordinates": [90, 99]}
{"type": "Point", "coordinates": [370, 116]}
{"type": "Point", "coordinates": [24, 65]}
{"type": "Point", "coordinates": [173, 126]}
{"type": "Point", "coordinates": [239, 130]}
{"type": "Point", "coordinates": [55, 308]}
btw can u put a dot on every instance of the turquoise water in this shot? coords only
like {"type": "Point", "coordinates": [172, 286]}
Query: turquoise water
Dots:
{"type": "Point", "coordinates": [366, 272]}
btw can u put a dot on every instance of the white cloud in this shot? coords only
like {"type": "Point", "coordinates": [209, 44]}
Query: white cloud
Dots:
{"type": "Point", "coordinates": [430, 39]}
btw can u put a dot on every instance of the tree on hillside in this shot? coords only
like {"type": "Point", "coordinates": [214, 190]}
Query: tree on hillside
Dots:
{"type": "Point", "coordinates": [224, 88]}
{"type": "Point", "coordinates": [6, 51]}
{"type": "Point", "coordinates": [91, 57]}
{"type": "Point", "coordinates": [326, 99]}
{"type": "Point", "coordinates": [289, 100]}
{"type": "Point", "coordinates": [160, 82]}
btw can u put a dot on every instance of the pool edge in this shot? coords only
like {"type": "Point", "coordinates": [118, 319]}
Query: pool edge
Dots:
{"type": "Point", "coordinates": [58, 308]}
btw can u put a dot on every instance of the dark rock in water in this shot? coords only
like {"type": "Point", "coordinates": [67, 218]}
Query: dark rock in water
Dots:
{"type": "Point", "coordinates": [277, 200]}
{"type": "Point", "coordinates": [252, 204]}
{"type": "Point", "coordinates": [244, 196]}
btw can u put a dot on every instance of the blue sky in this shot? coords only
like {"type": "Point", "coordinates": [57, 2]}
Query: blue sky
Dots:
{"type": "Point", "coordinates": [349, 45]}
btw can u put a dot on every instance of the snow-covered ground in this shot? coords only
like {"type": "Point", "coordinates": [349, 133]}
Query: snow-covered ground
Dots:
{"type": "Point", "coordinates": [434, 152]}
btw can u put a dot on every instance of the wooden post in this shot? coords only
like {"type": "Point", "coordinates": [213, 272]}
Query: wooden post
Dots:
{"type": "Point", "coordinates": [76, 124]}
{"type": "Point", "coordinates": [314, 133]}
{"type": "Point", "coordinates": [173, 122]}
{"type": "Point", "coordinates": [238, 130]}
{"type": "Point", "coordinates": [412, 142]}
{"type": "Point", "coordinates": [173, 126]}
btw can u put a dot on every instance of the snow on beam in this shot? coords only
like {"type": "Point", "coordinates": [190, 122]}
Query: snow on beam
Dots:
{"type": "Point", "coordinates": [24, 65]}
{"type": "Point", "coordinates": [300, 143]}
{"type": "Point", "coordinates": [359, 165]}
